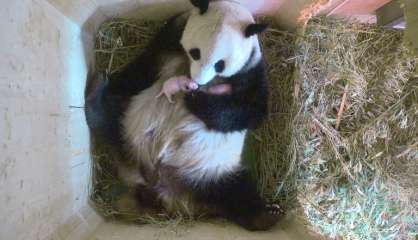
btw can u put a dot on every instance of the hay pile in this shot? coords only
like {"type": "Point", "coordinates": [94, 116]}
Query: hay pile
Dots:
{"type": "Point", "coordinates": [267, 151]}
{"type": "Point", "coordinates": [118, 41]}
{"type": "Point", "coordinates": [357, 180]}
{"type": "Point", "coordinates": [356, 131]}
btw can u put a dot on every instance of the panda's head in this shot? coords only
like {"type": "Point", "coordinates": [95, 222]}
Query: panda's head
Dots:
{"type": "Point", "coordinates": [220, 38]}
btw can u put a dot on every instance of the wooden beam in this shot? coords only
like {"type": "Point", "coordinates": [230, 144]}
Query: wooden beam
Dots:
{"type": "Point", "coordinates": [391, 15]}
{"type": "Point", "coordinates": [358, 7]}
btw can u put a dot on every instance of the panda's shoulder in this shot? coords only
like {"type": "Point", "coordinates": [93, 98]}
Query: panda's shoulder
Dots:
{"type": "Point", "coordinates": [254, 76]}
{"type": "Point", "coordinates": [244, 108]}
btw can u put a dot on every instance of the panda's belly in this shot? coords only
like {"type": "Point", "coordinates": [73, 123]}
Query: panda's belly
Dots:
{"type": "Point", "coordinates": [164, 134]}
{"type": "Point", "coordinates": [207, 155]}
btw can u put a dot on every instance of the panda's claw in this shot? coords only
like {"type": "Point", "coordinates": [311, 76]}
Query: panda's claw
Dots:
{"type": "Point", "coordinates": [274, 209]}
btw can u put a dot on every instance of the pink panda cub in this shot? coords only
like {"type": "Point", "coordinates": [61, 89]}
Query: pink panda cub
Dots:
{"type": "Point", "coordinates": [176, 84]}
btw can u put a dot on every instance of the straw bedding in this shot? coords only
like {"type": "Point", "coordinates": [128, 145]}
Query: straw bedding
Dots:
{"type": "Point", "coordinates": [356, 133]}
{"type": "Point", "coordinates": [341, 142]}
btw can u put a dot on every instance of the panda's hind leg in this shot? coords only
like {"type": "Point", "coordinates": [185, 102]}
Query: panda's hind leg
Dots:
{"type": "Point", "coordinates": [237, 199]}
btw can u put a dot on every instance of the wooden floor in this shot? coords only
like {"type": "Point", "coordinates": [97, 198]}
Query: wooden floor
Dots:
{"type": "Point", "coordinates": [217, 230]}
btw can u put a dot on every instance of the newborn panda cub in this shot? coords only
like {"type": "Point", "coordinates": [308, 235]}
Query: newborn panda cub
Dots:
{"type": "Point", "coordinates": [186, 155]}
{"type": "Point", "coordinates": [175, 85]}
{"type": "Point", "coordinates": [183, 83]}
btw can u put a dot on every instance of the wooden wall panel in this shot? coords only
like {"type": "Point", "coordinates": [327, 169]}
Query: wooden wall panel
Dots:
{"type": "Point", "coordinates": [358, 7]}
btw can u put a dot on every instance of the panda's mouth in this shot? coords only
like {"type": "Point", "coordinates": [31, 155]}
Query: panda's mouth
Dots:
{"type": "Point", "coordinates": [220, 89]}
{"type": "Point", "coordinates": [216, 89]}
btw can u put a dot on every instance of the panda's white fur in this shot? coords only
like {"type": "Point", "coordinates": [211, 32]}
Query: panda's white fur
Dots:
{"type": "Point", "coordinates": [218, 34]}
{"type": "Point", "coordinates": [154, 136]}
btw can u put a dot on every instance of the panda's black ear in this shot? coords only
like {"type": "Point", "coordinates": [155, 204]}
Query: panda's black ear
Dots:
{"type": "Point", "coordinates": [203, 5]}
{"type": "Point", "coordinates": [255, 28]}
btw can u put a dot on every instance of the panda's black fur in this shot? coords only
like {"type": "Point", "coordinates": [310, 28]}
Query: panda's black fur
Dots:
{"type": "Point", "coordinates": [108, 101]}
{"type": "Point", "coordinates": [234, 195]}
{"type": "Point", "coordinates": [244, 108]}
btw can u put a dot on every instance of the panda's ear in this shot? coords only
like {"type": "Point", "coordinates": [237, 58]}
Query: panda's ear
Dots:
{"type": "Point", "coordinates": [203, 5]}
{"type": "Point", "coordinates": [255, 28]}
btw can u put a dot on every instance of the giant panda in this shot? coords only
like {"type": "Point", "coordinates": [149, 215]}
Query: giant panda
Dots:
{"type": "Point", "coordinates": [186, 156]}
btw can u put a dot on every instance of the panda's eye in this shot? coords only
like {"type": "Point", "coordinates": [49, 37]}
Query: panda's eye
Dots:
{"type": "Point", "coordinates": [219, 66]}
{"type": "Point", "coordinates": [195, 53]}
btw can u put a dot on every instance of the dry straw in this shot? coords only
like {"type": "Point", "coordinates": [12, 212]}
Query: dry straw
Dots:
{"type": "Point", "coordinates": [341, 142]}
{"type": "Point", "coordinates": [356, 132]}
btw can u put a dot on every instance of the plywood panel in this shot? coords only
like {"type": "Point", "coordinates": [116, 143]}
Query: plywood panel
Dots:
{"type": "Point", "coordinates": [358, 7]}
{"type": "Point", "coordinates": [76, 10]}
{"type": "Point", "coordinates": [411, 33]}
{"type": "Point", "coordinates": [214, 230]}
{"type": "Point", "coordinates": [44, 144]}
{"type": "Point", "coordinates": [296, 12]}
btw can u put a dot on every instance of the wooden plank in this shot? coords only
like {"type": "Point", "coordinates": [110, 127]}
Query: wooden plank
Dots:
{"type": "Point", "coordinates": [330, 6]}
{"type": "Point", "coordinates": [411, 32]}
{"type": "Point", "coordinates": [293, 13]}
{"type": "Point", "coordinates": [391, 15]}
{"type": "Point", "coordinates": [358, 7]}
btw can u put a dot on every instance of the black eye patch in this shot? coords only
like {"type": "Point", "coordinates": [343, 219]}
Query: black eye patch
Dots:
{"type": "Point", "coordinates": [195, 53]}
{"type": "Point", "coordinates": [219, 66]}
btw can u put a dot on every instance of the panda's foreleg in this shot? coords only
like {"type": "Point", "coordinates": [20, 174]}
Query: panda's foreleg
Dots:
{"type": "Point", "coordinates": [144, 70]}
{"type": "Point", "coordinates": [103, 110]}
{"type": "Point", "coordinates": [237, 197]}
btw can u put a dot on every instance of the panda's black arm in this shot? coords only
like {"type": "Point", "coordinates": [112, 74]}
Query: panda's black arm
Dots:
{"type": "Point", "coordinates": [143, 71]}
{"type": "Point", "coordinates": [237, 196]}
{"type": "Point", "coordinates": [228, 113]}
{"type": "Point", "coordinates": [107, 102]}
{"type": "Point", "coordinates": [245, 108]}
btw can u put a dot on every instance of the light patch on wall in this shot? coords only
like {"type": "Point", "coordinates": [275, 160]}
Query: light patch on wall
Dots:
{"type": "Point", "coordinates": [76, 63]}
{"type": "Point", "coordinates": [78, 135]}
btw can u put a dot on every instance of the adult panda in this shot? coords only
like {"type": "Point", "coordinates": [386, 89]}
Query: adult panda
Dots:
{"type": "Point", "coordinates": [187, 155]}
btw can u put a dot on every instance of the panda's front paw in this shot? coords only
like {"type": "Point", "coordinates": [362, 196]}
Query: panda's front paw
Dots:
{"type": "Point", "coordinates": [274, 209]}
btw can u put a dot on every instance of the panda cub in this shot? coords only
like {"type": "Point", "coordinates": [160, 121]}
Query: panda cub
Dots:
{"type": "Point", "coordinates": [186, 154]}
